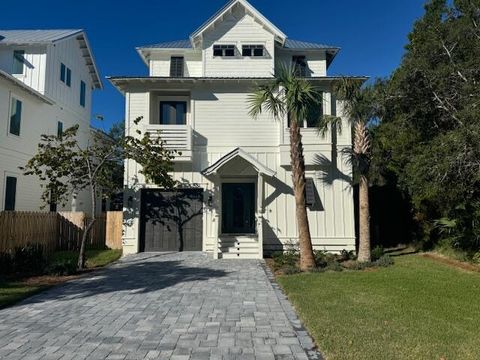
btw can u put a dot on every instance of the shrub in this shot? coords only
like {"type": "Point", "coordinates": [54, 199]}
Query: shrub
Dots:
{"type": "Point", "coordinates": [29, 259]}
{"type": "Point", "coordinates": [377, 253]}
{"type": "Point", "coordinates": [320, 258]}
{"type": "Point", "coordinates": [476, 258]}
{"type": "Point", "coordinates": [346, 255]}
{"type": "Point", "coordinates": [383, 261]}
{"type": "Point", "coordinates": [334, 266]}
{"type": "Point", "coordinates": [290, 270]}
{"type": "Point", "coordinates": [62, 267]}
{"type": "Point", "coordinates": [6, 263]}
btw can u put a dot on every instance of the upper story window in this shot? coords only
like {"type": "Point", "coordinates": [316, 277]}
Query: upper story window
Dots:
{"type": "Point", "coordinates": [65, 75]}
{"type": "Point", "coordinates": [83, 93]}
{"type": "Point", "coordinates": [18, 61]}
{"type": "Point", "coordinates": [173, 113]}
{"type": "Point", "coordinates": [300, 64]}
{"type": "Point", "coordinates": [223, 50]}
{"type": "Point", "coordinates": [15, 116]}
{"type": "Point", "coordinates": [253, 50]}
{"type": "Point", "coordinates": [10, 193]}
{"type": "Point", "coordinates": [176, 66]}
{"type": "Point", "coordinates": [314, 115]}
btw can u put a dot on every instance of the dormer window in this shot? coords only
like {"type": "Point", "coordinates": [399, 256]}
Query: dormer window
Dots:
{"type": "Point", "coordinates": [253, 50]}
{"type": "Point", "coordinates": [300, 65]}
{"type": "Point", "coordinates": [224, 50]}
{"type": "Point", "coordinates": [176, 66]}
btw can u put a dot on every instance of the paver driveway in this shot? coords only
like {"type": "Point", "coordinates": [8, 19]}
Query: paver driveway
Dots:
{"type": "Point", "coordinates": [166, 306]}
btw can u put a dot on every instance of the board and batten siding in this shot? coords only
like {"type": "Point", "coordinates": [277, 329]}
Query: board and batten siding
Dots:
{"type": "Point", "coordinates": [33, 68]}
{"type": "Point", "coordinates": [222, 123]}
{"type": "Point", "coordinates": [68, 52]}
{"type": "Point", "coordinates": [238, 29]}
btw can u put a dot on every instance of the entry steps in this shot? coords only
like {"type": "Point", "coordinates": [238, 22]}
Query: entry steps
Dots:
{"type": "Point", "coordinates": [238, 247]}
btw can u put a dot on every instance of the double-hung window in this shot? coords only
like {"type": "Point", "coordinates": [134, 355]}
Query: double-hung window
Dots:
{"type": "Point", "coordinates": [65, 74]}
{"type": "Point", "coordinates": [173, 113]}
{"type": "Point", "coordinates": [15, 116]}
{"type": "Point", "coordinates": [18, 61]}
{"type": "Point", "coordinates": [253, 50]}
{"type": "Point", "coordinates": [176, 66]}
{"type": "Point", "coordinates": [10, 193]}
{"type": "Point", "coordinates": [224, 50]}
{"type": "Point", "coordinates": [59, 129]}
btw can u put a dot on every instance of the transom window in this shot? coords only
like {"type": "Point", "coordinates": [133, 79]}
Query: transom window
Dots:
{"type": "Point", "coordinates": [223, 50]}
{"type": "Point", "coordinates": [173, 113]}
{"type": "Point", "coordinates": [300, 65]}
{"type": "Point", "coordinates": [253, 50]}
{"type": "Point", "coordinates": [176, 66]}
{"type": "Point", "coordinates": [18, 61]}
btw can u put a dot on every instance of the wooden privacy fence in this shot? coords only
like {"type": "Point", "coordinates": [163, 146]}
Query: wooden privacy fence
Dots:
{"type": "Point", "coordinates": [58, 231]}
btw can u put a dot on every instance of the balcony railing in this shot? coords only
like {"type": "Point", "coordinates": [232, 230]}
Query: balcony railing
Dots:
{"type": "Point", "coordinates": [175, 137]}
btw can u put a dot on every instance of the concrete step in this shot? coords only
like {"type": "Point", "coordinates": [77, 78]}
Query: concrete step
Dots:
{"type": "Point", "coordinates": [241, 249]}
{"type": "Point", "coordinates": [238, 256]}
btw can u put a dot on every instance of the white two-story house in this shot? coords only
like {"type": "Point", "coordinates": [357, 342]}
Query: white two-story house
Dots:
{"type": "Point", "coordinates": [236, 198]}
{"type": "Point", "coordinates": [46, 83]}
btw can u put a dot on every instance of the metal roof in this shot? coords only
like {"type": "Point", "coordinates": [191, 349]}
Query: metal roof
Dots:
{"type": "Point", "coordinates": [289, 44]}
{"type": "Point", "coordinates": [26, 88]}
{"type": "Point", "coordinates": [298, 44]}
{"type": "Point", "coordinates": [45, 37]}
{"type": "Point", "coordinates": [20, 37]}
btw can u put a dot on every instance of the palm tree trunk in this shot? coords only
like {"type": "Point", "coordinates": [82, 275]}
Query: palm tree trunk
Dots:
{"type": "Point", "coordinates": [364, 215]}
{"type": "Point", "coordinates": [307, 260]}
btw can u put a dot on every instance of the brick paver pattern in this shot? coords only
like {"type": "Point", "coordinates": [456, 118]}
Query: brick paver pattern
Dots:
{"type": "Point", "coordinates": [159, 306]}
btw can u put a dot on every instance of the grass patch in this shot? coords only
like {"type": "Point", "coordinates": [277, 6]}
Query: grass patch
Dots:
{"type": "Point", "coordinates": [95, 258]}
{"type": "Point", "coordinates": [16, 288]}
{"type": "Point", "coordinates": [417, 309]}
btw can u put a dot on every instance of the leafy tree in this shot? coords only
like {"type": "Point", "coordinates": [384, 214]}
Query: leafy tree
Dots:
{"type": "Point", "coordinates": [360, 107]}
{"type": "Point", "coordinates": [429, 139]}
{"type": "Point", "coordinates": [67, 167]}
{"type": "Point", "coordinates": [290, 95]}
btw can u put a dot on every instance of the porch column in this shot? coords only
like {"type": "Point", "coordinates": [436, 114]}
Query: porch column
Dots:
{"type": "Point", "coordinates": [216, 217]}
{"type": "Point", "coordinates": [260, 185]}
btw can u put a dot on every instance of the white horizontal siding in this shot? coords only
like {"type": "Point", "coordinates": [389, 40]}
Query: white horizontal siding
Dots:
{"type": "Point", "coordinates": [160, 63]}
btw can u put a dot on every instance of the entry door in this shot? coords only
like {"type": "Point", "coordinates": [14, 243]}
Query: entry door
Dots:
{"type": "Point", "coordinates": [171, 220]}
{"type": "Point", "coordinates": [238, 208]}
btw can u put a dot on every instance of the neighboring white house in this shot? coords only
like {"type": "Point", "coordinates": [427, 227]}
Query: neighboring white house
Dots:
{"type": "Point", "coordinates": [46, 83]}
{"type": "Point", "coordinates": [236, 198]}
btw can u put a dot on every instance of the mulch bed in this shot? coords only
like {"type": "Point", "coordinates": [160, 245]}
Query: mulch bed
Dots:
{"type": "Point", "coordinates": [452, 262]}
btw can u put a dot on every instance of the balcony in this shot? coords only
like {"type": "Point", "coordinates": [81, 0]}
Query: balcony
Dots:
{"type": "Point", "coordinates": [175, 137]}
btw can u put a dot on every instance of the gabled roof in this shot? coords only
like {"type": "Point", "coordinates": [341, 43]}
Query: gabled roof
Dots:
{"type": "Point", "coordinates": [45, 37]}
{"type": "Point", "coordinates": [26, 88]}
{"type": "Point", "coordinates": [238, 152]}
{"type": "Point", "coordinates": [304, 45]}
{"type": "Point", "coordinates": [176, 44]}
{"type": "Point", "coordinates": [280, 36]}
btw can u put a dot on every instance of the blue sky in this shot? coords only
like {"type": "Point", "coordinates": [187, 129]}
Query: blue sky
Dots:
{"type": "Point", "coordinates": [371, 33]}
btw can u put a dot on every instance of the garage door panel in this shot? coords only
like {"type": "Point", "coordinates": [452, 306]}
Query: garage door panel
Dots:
{"type": "Point", "coordinates": [171, 220]}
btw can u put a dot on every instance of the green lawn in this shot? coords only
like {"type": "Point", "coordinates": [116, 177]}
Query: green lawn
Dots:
{"type": "Point", "coordinates": [95, 258]}
{"type": "Point", "coordinates": [415, 309]}
{"type": "Point", "coordinates": [14, 290]}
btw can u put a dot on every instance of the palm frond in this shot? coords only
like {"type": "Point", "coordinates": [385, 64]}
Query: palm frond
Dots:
{"type": "Point", "coordinates": [327, 122]}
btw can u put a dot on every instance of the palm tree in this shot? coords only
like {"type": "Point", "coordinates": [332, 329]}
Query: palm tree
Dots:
{"type": "Point", "coordinates": [290, 95]}
{"type": "Point", "coordinates": [359, 107]}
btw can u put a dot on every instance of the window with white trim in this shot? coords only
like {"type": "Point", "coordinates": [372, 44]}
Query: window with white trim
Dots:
{"type": "Point", "coordinates": [65, 74]}
{"type": "Point", "coordinates": [18, 61]}
{"type": "Point", "coordinates": [224, 50]}
{"type": "Point", "coordinates": [15, 116]}
{"type": "Point", "coordinates": [253, 50]}
{"type": "Point", "coordinates": [10, 193]}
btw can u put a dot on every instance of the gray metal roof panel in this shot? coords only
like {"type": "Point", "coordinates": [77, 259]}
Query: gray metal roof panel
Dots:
{"type": "Point", "coordinates": [16, 37]}
{"type": "Point", "coordinates": [177, 44]}
{"type": "Point", "coordinates": [289, 44]}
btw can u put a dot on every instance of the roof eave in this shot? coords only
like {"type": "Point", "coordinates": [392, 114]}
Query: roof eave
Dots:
{"type": "Point", "coordinates": [26, 88]}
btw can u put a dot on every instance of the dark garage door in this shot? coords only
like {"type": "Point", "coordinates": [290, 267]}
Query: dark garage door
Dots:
{"type": "Point", "coordinates": [171, 220]}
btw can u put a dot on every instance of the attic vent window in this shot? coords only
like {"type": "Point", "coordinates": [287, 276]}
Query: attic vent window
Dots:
{"type": "Point", "coordinates": [176, 66]}
{"type": "Point", "coordinates": [252, 50]}
{"type": "Point", "coordinates": [223, 50]}
{"type": "Point", "coordinates": [309, 192]}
